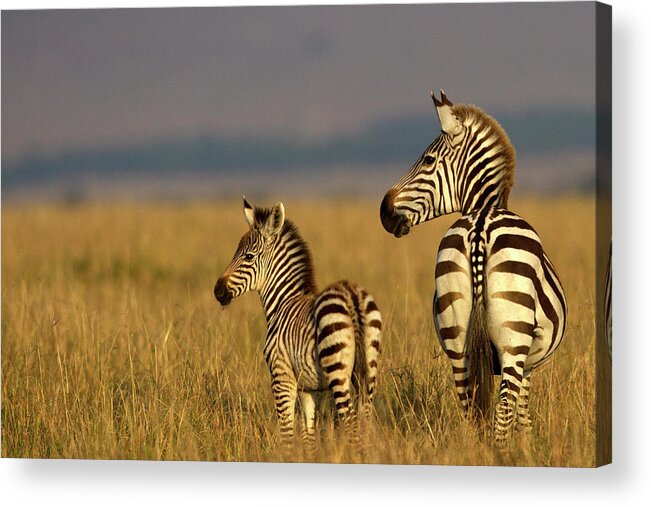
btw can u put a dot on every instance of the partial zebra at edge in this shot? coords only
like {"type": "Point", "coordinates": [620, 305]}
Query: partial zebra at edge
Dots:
{"type": "Point", "coordinates": [608, 303]}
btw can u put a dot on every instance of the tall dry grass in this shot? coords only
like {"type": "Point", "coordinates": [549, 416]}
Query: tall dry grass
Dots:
{"type": "Point", "coordinates": [113, 346]}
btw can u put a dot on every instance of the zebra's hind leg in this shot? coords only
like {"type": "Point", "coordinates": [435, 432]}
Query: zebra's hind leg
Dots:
{"type": "Point", "coordinates": [341, 388]}
{"type": "Point", "coordinates": [450, 308]}
{"type": "Point", "coordinates": [523, 421]}
{"type": "Point", "coordinates": [308, 407]}
{"type": "Point", "coordinates": [513, 360]}
{"type": "Point", "coordinates": [340, 384]}
{"type": "Point", "coordinates": [372, 346]}
{"type": "Point", "coordinates": [460, 374]}
{"type": "Point", "coordinates": [336, 354]}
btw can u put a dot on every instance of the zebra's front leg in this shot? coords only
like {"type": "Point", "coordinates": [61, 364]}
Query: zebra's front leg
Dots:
{"type": "Point", "coordinates": [285, 391]}
{"type": "Point", "coordinates": [523, 420]}
{"type": "Point", "coordinates": [512, 361]}
{"type": "Point", "coordinates": [308, 407]}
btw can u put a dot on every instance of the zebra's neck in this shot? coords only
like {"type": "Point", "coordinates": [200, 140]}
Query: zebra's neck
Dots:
{"type": "Point", "coordinates": [289, 276]}
{"type": "Point", "coordinates": [487, 163]}
{"type": "Point", "coordinates": [483, 191]}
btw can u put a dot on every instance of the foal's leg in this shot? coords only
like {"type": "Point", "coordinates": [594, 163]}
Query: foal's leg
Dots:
{"type": "Point", "coordinates": [336, 355]}
{"type": "Point", "coordinates": [308, 406]}
{"type": "Point", "coordinates": [285, 391]}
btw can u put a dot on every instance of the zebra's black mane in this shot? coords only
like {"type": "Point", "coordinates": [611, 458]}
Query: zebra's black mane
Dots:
{"type": "Point", "coordinates": [290, 233]}
{"type": "Point", "coordinates": [468, 113]}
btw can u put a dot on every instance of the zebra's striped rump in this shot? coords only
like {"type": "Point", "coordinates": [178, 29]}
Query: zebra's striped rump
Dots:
{"type": "Point", "coordinates": [498, 301]}
{"type": "Point", "coordinates": [349, 328]}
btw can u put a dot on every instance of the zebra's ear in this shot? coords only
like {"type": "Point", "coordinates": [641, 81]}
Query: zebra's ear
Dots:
{"type": "Point", "coordinates": [275, 220]}
{"type": "Point", "coordinates": [450, 124]}
{"type": "Point", "coordinates": [249, 214]}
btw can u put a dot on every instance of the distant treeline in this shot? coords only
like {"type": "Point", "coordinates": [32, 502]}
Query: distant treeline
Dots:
{"type": "Point", "coordinates": [393, 140]}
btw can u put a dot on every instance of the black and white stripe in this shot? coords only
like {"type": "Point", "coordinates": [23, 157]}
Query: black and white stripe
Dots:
{"type": "Point", "coordinates": [499, 307]}
{"type": "Point", "coordinates": [315, 341]}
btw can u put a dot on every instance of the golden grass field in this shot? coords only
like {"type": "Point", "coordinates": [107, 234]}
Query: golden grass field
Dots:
{"type": "Point", "coordinates": [114, 347]}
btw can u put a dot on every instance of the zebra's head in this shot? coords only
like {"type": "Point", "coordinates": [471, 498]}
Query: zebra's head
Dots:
{"type": "Point", "coordinates": [248, 268]}
{"type": "Point", "coordinates": [467, 167]}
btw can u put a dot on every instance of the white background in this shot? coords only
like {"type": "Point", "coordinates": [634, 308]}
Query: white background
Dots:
{"type": "Point", "coordinates": [626, 481]}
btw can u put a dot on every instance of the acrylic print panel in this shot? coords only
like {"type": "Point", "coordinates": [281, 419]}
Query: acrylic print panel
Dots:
{"type": "Point", "coordinates": [410, 279]}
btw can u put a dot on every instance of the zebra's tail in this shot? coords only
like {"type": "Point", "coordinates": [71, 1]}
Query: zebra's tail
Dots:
{"type": "Point", "coordinates": [478, 347]}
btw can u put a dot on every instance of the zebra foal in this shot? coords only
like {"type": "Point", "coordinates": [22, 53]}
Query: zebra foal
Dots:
{"type": "Point", "coordinates": [316, 341]}
{"type": "Point", "coordinates": [499, 307]}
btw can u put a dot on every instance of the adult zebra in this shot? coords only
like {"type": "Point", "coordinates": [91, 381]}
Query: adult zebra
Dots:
{"type": "Point", "coordinates": [315, 341]}
{"type": "Point", "coordinates": [499, 307]}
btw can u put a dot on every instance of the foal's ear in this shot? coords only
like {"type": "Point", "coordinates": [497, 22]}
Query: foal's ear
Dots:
{"type": "Point", "coordinates": [249, 214]}
{"type": "Point", "coordinates": [275, 220]}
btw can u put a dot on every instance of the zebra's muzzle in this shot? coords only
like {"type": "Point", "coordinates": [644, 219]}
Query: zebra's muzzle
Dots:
{"type": "Point", "coordinates": [222, 294]}
{"type": "Point", "coordinates": [402, 228]}
{"type": "Point", "coordinates": [392, 221]}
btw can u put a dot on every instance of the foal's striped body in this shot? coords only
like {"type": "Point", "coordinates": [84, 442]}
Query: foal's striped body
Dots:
{"type": "Point", "coordinates": [316, 341]}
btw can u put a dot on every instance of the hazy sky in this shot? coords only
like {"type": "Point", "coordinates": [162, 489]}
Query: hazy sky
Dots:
{"type": "Point", "coordinates": [105, 77]}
